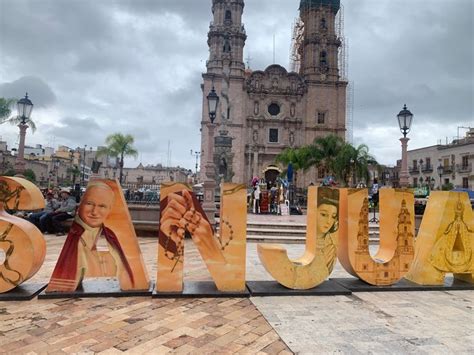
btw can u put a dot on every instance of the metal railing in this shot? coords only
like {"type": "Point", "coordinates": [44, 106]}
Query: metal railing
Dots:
{"type": "Point", "coordinates": [463, 168]}
{"type": "Point", "coordinates": [427, 168]}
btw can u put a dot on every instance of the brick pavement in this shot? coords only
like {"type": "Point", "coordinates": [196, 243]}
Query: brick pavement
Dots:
{"type": "Point", "coordinates": [136, 324]}
{"type": "Point", "coordinates": [399, 322]}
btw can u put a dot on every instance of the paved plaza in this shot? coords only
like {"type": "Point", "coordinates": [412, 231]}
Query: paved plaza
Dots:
{"type": "Point", "coordinates": [378, 322]}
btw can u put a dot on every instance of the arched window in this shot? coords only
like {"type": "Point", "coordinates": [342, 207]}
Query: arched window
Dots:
{"type": "Point", "coordinates": [323, 58]}
{"type": "Point", "coordinates": [226, 48]}
{"type": "Point", "coordinates": [323, 25]}
{"type": "Point", "coordinates": [228, 15]}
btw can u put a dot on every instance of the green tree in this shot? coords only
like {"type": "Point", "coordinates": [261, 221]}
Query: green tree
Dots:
{"type": "Point", "coordinates": [74, 172]}
{"type": "Point", "coordinates": [6, 110]}
{"type": "Point", "coordinates": [353, 162]}
{"type": "Point", "coordinates": [334, 156]}
{"type": "Point", "coordinates": [324, 151]}
{"type": "Point", "coordinates": [30, 175]}
{"type": "Point", "coordinates": [119, 146]}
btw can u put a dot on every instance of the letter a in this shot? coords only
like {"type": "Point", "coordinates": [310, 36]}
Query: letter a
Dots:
{"type": "Point", "coordinates": [102, 215]}
{"type": "Point", "coordinates": [445, 240]}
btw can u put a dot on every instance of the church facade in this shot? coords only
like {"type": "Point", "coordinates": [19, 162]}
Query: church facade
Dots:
{"type": "Point", "coordinates": [262, 112]}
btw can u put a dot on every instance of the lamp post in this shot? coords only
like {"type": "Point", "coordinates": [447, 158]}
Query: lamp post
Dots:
{"type": "Point", "coordinates": [440, 173]}
{"type": "Point", "coordinates": [197, 155]}
{"type": "Point", "coordinates": [405, 118]}
{"type": "Point", "coordinates": [24, 106]}
{"type": "Point", "coordinates": [209, 203]}
{"type": "Point", "coordinates": [83, 166]}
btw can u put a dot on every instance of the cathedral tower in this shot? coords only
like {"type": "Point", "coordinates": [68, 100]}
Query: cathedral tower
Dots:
{"type": "Point", "coordinates": [319, 52]}
{"type": "Point", "coordinates": [226, 37]}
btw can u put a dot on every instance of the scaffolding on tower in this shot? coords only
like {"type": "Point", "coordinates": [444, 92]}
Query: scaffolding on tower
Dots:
{"type": "Point", "coordinates": [296, 43]}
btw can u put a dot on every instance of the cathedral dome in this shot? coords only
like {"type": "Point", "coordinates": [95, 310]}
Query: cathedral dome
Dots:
{"type": "Point", "coordinates": [308, 4]}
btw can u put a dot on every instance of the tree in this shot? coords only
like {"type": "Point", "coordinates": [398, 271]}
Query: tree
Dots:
{"type": "Point", "coordinates": [332, 155]}
{"type": "Point", "coordinates": [119, 146]}
{"type": "Point", "coordinates": [324, 152]}
{"type": "Point", "coordinates": [30, 175]}
{"type": "Point", "coordinates": [6, 110]}
{"type": "Point", "coordinates": [353, 162]}
{"type": "Point", "coordinates": [75, 172]}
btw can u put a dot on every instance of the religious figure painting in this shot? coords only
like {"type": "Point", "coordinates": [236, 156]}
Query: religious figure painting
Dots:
{"type": "Point", "coordinates": [100, 243]}
{"type": "Point", "coordinates": [319, 257]}
{"type": "Point", "coordinates": [445, 240]}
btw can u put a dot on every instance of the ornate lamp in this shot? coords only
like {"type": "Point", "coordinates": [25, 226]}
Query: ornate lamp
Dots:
{"type": "Point", "coordinates": [24, 107]}
{"type": "Point", "coordinates": [212, 102]}
{"type": "Point", "coordinates": [405, 118]}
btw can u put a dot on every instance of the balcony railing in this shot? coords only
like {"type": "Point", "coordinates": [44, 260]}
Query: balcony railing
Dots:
{"type": "Point", "coordinates": [447, 169]}
{"type": "Point", "coordinates": [427, 168]}
{"type": "Point", "coordinates": [414, 169]}
{"type": "Point", "coordinates": [461, 168]}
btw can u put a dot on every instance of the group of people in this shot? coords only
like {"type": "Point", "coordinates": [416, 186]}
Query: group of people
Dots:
{"type": "Point", "coordinates": [274, 196]}
{"type": "Point", "coordinates": [57, 209]}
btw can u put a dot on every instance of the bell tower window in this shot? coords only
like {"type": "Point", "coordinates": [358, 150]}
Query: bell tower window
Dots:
{"type": "Point", "coordinates": [228, 15]}
{"type": "Point", "coordinates": [323, 59]}
{"type": "Point", "coordinates": [322, 24]}
{"type": "Point", "coordinates": [226, 48]}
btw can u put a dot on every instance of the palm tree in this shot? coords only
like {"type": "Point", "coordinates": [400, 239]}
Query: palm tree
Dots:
{"type": "Point", "coordinates": [5, 111]}
{"type": "Point", "coordinates": [75, 172]}
{"type": "Point", "coordinates": [5, 108]}
{"type": "Point", "coordinates": [119, 146]}
{"type": "Point", "coordinates": [353, 162]}
{"type": "Point", "coordinates": [323, 152]}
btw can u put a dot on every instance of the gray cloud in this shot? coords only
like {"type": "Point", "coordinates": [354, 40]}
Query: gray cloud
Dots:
{"type": "Point", "coordinates": [39, 92]}
{"type": "Point", "coordinates": [134, 66]}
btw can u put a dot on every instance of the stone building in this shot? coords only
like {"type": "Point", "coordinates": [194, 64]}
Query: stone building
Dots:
{"type": "Point", "coordinates": [262, 112]}
{"type": "Point", "coordinates": [152, 175]}
{"type": "Point", "coordinates": [440, 164]}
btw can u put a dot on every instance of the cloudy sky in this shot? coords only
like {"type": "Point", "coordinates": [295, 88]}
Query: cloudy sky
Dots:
{"type": "Point", "coordinates": [95, 67]}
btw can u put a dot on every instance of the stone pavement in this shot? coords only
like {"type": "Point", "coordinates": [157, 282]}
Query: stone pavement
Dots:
{"type": "Point", "coordinates": [382, 322]}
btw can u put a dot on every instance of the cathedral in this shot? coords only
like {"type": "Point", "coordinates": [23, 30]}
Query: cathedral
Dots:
{"type": "Point", "coordinates": [262, 112]}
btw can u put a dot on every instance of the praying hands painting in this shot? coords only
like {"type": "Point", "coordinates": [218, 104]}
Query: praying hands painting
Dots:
{"type": "Point", "coordinates": [223, 251]}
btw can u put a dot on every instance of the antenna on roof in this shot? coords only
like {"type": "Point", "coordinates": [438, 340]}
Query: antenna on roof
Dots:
{"type": "Point", "coordinates": [274, 49]}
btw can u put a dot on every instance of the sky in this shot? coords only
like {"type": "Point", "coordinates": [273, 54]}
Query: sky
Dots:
{"type": "Point", "coordinates": [96, 67]}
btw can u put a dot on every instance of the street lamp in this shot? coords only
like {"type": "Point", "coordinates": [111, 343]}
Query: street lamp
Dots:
{"type": "Point", "coordinates": [405, 118]}
{"type": "Point", "coordinates": [209, 203]}
{"type": "Point", "coordinates": [440, 173]}
{"type": "Point", "coordinates": [197, 155]}
{"type": "Point", "coordinates": [83, 166]}
{"type": "Point", "coordinates": [24, 107]}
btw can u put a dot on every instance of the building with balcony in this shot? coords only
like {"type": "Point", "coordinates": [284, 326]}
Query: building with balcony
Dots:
{"type": "Point", "coordinates": [447, 164]}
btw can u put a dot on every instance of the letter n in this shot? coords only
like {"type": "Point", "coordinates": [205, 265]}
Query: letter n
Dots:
{"type": "Point", "coordinates": [223, 252]}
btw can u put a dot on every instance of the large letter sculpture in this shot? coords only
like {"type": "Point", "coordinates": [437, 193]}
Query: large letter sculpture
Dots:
{"type": "Point", "coordinates": [21, 241]}
{"type": "Point", "coordinates": [224, 253]}
{"type": "Point", "coordinates": [321, 244]}
{"type": "Point", "coordinates": [445, 240]}
{"type": "Point", "coordinates": [102, 215]}
{"type": "Point", "coordinates": [397, 230]}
